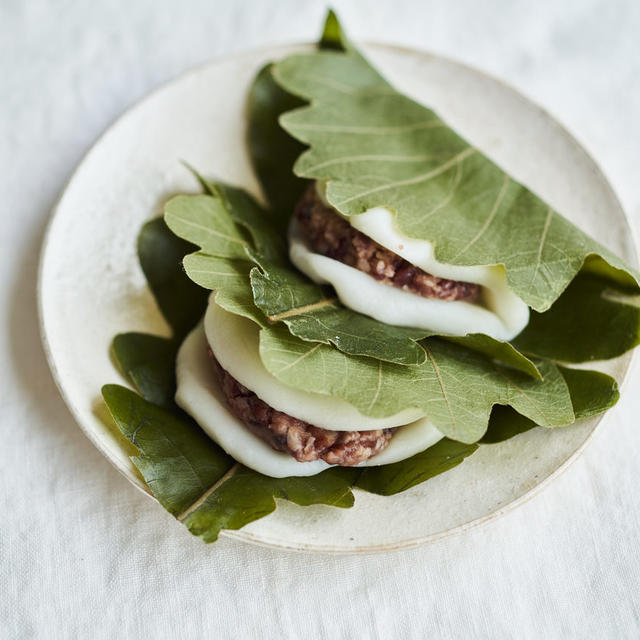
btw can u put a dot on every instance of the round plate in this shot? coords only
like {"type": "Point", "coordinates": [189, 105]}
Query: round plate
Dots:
{"type": "Point", "coordinates": [91, 286]}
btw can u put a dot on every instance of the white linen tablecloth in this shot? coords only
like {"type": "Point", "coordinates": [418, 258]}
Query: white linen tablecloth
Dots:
{"type": "Point", "coordinates": [85, 555]}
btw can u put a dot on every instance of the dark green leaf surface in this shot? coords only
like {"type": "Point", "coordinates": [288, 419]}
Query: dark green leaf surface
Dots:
{"type": "Point", "coordinates": [400, 476]}
{"type": "Point", "coordinates": [271, 149]}
{"type": "Point", "coordinates": [181, 301]}
{"type": "Point", "coordinates": [377, 147]}
{"type": "Point", "coordinates": [149, 363]}
{"type": "Point", "coordinates": [177, 460]}
{"type": "Point", "coordinates": [505, 423]}
{"type": "Point", "coordinates": [247, 496]}
{"type": "Point", "coordinates": [592, 392]}
{"type": "Point", "coordinates": [588, 321]}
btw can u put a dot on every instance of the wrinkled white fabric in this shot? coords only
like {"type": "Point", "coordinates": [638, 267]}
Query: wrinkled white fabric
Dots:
{"type": "Point", "coordinates": [83, 554]}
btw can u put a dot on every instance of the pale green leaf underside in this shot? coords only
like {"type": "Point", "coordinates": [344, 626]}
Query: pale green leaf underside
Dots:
{"type": "Point", "coordinates": [205, 221]}
{"type": "Point", "coordinates": [456, 387]}
{"type": "Point", "coordinates": [229, 279]}
{"type": "Point", "coordinates": [377, 147]}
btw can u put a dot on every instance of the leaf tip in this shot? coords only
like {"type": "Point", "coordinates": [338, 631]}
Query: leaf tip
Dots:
{"type": "Point", "coordinates": [108, 391]}
{"type": "Point", "coordinates": [332, 34]}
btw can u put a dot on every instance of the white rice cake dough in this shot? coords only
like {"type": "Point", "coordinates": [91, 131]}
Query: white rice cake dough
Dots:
{"type": "Point", "coordinates": [235, 343]}
{"type": "Point", "coordinates": [500, 313]}
{"type": "Point", "coordinates": [199, 394]}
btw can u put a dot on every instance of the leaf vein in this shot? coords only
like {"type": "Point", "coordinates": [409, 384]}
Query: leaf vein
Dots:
{"type": "Point", "coordinates": [489, 220]}
{"type": "Point", "coordinates": [415, 180]}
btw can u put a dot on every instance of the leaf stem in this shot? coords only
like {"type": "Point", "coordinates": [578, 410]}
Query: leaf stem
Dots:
{"type": "Point", "coordinates": [181, 517]}
{"type": "Point", "coordinates": [299, 310]}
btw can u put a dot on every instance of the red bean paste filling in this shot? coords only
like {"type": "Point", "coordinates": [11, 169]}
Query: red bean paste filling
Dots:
{"type": "Point", "coordinates": [302, 440]}
{"type": "Point", "coordinates": [329, 234]}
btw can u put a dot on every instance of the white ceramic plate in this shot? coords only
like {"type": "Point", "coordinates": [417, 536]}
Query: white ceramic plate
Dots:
{"type": "Point", "coordinates": [91, 286]}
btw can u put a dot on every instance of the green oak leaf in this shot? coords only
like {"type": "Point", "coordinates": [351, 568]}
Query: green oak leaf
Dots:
{"type": "Point", "coordinates": [455, 386]}
{"type": "Point", "coordinates": [589, 321]}
{"type": "Point", "coordinates": [193, 478]}
{"type": "Point", "coordinates": [181, 301]}
{"type": "Point", "coordinates": [394, 478]}
{"type": "Point", "coordinates": [271, 149]}
{"type": "Point", "coordinates": [198, 483]}
{"type": "Point", "coordinates": [592, 392]}
{"type": "Point", "coordinates": [149, 363]}
{"type": "Point", "coordinates": [549, 341]}
{"type": "Point", "coordinates": [376, 147]}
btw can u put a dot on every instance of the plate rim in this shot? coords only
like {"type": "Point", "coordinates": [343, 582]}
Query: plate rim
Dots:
{"type": "Point", "coordinates": [265, 540]}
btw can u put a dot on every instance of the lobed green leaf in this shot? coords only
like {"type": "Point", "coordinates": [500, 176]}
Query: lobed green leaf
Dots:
{"type": "Point", "coordinates": [375, 147]}
{"type": "Point", "coordinates": [592, 392]}
{"type": "Point", "coordinates": [198, 483]}
{"type": "Point", "coordinates": [455, 386]}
